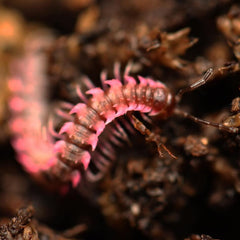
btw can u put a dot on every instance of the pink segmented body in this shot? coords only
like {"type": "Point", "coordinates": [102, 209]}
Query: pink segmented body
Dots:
{"type": "Point", "coordinates": [28, 104]}
{"type": "Point", "coordinates": [79, 136]}
{"type": "Point", "coordinates": [102, 108]}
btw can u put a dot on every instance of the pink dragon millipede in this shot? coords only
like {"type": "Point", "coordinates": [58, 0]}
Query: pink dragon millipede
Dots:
{"type": "Point", "coordinates": [76, 147]}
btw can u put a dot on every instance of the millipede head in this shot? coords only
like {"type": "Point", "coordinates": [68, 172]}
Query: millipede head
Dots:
{"type": "Point", "coordinates": [163, 102]}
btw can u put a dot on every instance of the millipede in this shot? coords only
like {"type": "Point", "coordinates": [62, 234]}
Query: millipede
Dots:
{"type": "Point", "coordinates": [69, 152]}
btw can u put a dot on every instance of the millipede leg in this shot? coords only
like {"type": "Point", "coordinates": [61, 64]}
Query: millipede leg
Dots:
{"type": "Point", "coordinates": [51, 130]}
{"type": "Point", "coordinates": [121, 132]}
{"type": "Point", "coordinates": [108, 146]}
{"type": "Point", "coordinates": [107, 150]}
{"type": "Point", "coordinates": [116, 71]}
{"type": "Point", "coordinates": [127, 125]}
{"type": "Point", "coordinates": [62, 110]}
{"type": "Point", "coordinates": [93, 177]}
{"type": "Point", "coordinates": [100, 163]}
{"type": "Point", "coordinates": [127, 70]}
{"type": "Point", "coordinates": [105, 162]}
{"type": "Point", "coordinates": [115, 140]}
{"type": "Point", "coordinates": [88, 83]}
{"type": "Point", "coordinates": [146, 118]}
{"type": "Point", "coordinates": [65, 105]}
{"type": "Point", "coordinates": [81, 95]}
{"type": "Point", "coordinates": [61, 113]}
{"type": "Point", "coordinates": [103, 78]}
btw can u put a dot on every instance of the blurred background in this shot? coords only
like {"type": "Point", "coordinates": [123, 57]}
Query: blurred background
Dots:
{"type": "Point", "coordinates": [142, 196]}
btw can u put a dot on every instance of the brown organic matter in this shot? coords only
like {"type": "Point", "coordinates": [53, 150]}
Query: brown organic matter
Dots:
{"type": "Point", "coordinates": [172, 178]}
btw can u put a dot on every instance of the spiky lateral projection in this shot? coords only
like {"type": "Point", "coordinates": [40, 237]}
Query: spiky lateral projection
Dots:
{"type": "Point", "coordinates": [79, 137]}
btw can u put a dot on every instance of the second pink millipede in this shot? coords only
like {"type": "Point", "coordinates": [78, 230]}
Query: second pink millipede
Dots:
{"type": "Point", "coordinates": [78, 137]}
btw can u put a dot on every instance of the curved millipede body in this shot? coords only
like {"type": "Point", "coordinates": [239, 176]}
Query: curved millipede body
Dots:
{"type": "Point", "coordinates": [91, 117]}
{"type": "Point", "coordinates": [78, 137]}
{"type": "Point", "coordinates": [78, 146]}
